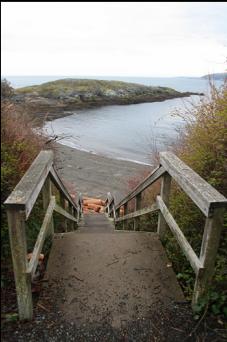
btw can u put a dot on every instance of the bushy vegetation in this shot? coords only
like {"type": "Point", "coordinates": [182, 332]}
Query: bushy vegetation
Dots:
{"type": "Point", "coordinates": [6, 89]}
{"type": "Point", "coordinates": [19, 147]}
{"type": "Point", "coordinates": [202, 145]}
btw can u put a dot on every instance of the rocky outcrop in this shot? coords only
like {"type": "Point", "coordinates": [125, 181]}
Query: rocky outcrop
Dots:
{"type": "Point", "coordinates": [69, 94]}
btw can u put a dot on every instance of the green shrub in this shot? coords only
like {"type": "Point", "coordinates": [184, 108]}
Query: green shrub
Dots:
{"type": "Point", "coordinates": [19, 147]}
{"type": "Point", "coordinates": [202, 145]}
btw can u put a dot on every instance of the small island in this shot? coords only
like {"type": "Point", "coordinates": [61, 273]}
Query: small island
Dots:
{"type": "Point", "coordinates": [63, 95]}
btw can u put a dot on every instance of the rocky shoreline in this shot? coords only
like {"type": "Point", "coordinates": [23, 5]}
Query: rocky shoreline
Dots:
{"type": "Point", "coordinates": [58, 97]}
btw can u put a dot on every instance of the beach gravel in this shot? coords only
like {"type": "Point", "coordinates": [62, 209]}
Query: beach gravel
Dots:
{"type": "Point", "coordinates": [94, 175]}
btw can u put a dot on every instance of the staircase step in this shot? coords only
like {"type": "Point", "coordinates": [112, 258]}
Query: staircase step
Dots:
{"type": "Point", "coordinates": [95, 223]}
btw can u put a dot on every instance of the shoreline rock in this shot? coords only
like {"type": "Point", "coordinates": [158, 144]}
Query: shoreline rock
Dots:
{"type": "Point", "coordinates": [73, 94]}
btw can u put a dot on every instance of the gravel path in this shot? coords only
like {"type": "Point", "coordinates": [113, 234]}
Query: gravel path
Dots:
{"type": "Point", "coordinates": [172, 323]}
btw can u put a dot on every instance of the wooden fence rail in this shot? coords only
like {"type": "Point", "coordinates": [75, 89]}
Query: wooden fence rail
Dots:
{"type": "Point", "coordinates": [208, 200]}
{"type": "Point", "coordinates": [39, 177]}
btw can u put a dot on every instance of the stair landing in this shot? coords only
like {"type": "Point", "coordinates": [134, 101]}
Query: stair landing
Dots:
{"type": "Point", "coordinates": [118, 277]}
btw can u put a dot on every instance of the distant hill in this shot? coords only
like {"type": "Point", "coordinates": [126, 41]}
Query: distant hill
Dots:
{"type": "Point", "coordinates": [217, 76]}
{"type": "Point", "coordinates": [71, 94]}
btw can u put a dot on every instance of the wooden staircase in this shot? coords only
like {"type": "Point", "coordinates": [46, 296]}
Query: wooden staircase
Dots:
{"type": "Point", "coordinates": [126, 271]}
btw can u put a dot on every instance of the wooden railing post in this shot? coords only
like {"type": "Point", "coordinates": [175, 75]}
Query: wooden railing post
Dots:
{"type": "Point", "coordinates": [80, 212]}
{"type": "Point", "coordinates": [125, 213]}
{"type": "Point", "coordinates": [75, 214]}
{"type": "Point", "coordinates": [68, 223]}
{"type": "Point", "coordinates": [117, 212]}
{"type": "Point", "coordinates": [208, 252]}
{"type": "Point", "coordinates": [47, 193]}
{"type": "Point", "coordinates": [165, 192]}
{"type": "Point", "coordinates": [111, 209]}
{"type": "Point", "coordinates": [17, 234]}
{"type": "Point", "coordinates": [63, 205]}
{"type": "Point", "coordinates": [108, 209]}
{"type": "Point", "coordinates": [137, 207]}
{"type": "Point", "coordinates": [71, 223]}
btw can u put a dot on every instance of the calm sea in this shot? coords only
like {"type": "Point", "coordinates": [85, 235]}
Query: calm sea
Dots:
{"type": "Point", "coordinates": [128, 132]}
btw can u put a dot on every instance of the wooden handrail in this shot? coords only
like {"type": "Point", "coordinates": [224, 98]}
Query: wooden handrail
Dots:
{"type": "Point", "coordinates": [59, 184]}
{"type": "Point", "coordinates": [138, 213]}
{"type": "Point", "coordinates": [31, 268]}
{"type": "Point", "coordinates": [19, 205]}
{"type": "Point", "coordinates": [110, 206]}
{"type": "Point", "coordinates": [153, 177]}
{"type": "Point", "coordinates": [181, 239]}
{"type": "Point", "coordinates": [63, 212]}
{"type": "Point", "coordinates": [203, 194]}
{"type": "Point", "coordinates": [25, 194]}
{"type": "Point", "coordinates": [207, 199]}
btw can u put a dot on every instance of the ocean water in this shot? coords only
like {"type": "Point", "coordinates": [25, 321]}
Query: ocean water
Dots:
{"type": "Point", "coordinates": [128, 132]}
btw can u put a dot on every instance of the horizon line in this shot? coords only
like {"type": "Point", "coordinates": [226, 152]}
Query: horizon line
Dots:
{"type": "Point", "coordinates": [139, 76]}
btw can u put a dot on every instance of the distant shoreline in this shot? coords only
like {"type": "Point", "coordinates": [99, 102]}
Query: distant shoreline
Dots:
{"type": "Point", "coordinates": [58, 97]}
{"type": "Point", "coordinates": [19, 81]}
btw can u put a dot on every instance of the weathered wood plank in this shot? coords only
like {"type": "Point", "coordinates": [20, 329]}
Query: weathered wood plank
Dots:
{"type": "Point", "coordinates": [71, 223]}
{"type": "Point", "coordinates": [137, 207]}
{"type": "Point", "coordinates": [63, 212]}
{"type": "Point", "coordinates": [47, 193]}
{"type": "Point", "coordinates": [111, 210]}
{"type": "Point", "coordinates": [110, 198]}
{"type": "Point", "coordinates": [16, 223]}
{"type": "Point", "coordinates": [154, 176]}
{"type": "Point", "coordinates": [109, 201]}
{"type": "Point", "coordinates": [79, 207]}
{"type": "Point", "coordinates": [41, 238]}
{"type": "Point", "coordinates": [27, 190]}
{"type": "Point", "coordinates": [203, 194]}
{"type": "Point", "coordinates": [60, 186]}
{"type": "Point", "coordinates": [114, 212]}
{"type": "Point", "coordinates": [138, 213]}
{"type": "Point", "coordinates": [75, 214]}
{"type": "Point", "coordinates": [184, 244]}
{"type": "Point", "coordinates": [117, 211]}
{"type": "Point", "coordinates": [209, 248]}
{"type": "Point", "coordinates": [63, 205]}
{"type": "Point", "coordinates": [125, 206]}
{"type": "Point", "coordinates": [80, 202]}
{"type": "Point", "coordinates": [165, 193]}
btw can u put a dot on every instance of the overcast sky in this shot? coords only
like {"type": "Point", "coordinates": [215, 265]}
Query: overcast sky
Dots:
{"type": "Point", "coordinates": [117, 39]}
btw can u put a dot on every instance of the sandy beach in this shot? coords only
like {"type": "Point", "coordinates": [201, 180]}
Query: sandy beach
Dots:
{"type": "Point", "coordinates": [95, 175]}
